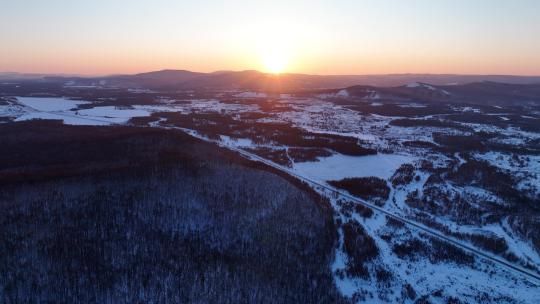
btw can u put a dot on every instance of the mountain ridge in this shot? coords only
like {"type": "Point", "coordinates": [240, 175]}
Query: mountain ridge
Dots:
{"type": "Point", "coordinates": [173, 80]}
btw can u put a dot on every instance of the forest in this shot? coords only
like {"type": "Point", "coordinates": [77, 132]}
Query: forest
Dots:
{"type": "Point", "coordinates": [138, 215]}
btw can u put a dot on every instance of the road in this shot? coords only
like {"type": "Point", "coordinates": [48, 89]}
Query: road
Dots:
{"type": "Point", "coordinates": [530, 275]}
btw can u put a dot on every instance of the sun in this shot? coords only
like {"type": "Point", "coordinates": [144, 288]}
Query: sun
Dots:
{"type": "Point", "coordinates": [275, 62]}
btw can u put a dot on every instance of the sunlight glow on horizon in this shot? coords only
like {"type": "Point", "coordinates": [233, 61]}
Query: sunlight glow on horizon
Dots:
{"type": "Point", "coordinates": [275, 62]}
{"type": "Point", "coordinates": [315, 37]}
{"type": "Point", "coordinates": [275, 45]}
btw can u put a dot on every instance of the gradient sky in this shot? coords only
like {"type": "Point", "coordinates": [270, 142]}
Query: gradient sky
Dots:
{"type": "Point", "coordinates": [321, 37]}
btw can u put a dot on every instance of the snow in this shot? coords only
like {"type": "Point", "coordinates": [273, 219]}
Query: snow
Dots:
{"type": "Point", "coordinates": [237, 142]}
{"type": "Point", "coordinates": [460, 281]}
{"type": "Point", "coordinates": [67, 119]}
{"type": "Point", "coordinates": [166, 100]}
{"type": "Point", "coordinates": [213, 106]}
{"type": "Point", "coordinates": [319, 116]}
{"type": "Point", "coordinates": [398, 194]}
{"type": "Point", "coordinates": [339, 166]}
{"type": "Point", "coordinates": [251, 95]}
{"type": "Point", "coordinates": [373, 95]}
{"type": "Point", "coordinates": [327, 118]}
{"type": "Point", "coordinates": [526, 170]}
{"type": "Point", "coordinates": [113, 112]}
{"type": "Point", "coordinates": [50, 103]}
{"type": "Point", "coordinates": [58, 108]}
{"type": "Point", "coordinates": [55, 108]}
{"type": "Point", "coordinates": [65, 110]}
{"type": "Point", "coordinates": [81, 87]}
{"type": "Point", "coordinates": [361, 136]}
{"type": "Point", "coordinates": [141, 91]}
{"type": "Point", "coordinates": [505, 161]}
{"type": "Point", "coordinates": [471, 109]}
{"type": "Point", "coordinates": [412, 105]}
{"type": "Point", "coordinates": [325, 95]}
{"type": "Point", "coordinates": [426, 86]}
{"type": "Point", "coordinates": [342, 94]}
{"type": "Point", "coordinates": [11, 110]}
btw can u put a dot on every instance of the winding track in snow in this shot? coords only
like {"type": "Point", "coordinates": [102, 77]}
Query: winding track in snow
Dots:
{"type": "Point", "coordinates": [531, 276]}
{"type": "Point", "coordinates": [512, 267]}
{"type": "Point", "coordinates": [63, 114]}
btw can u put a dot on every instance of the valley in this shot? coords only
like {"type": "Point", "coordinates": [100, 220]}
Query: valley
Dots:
{"type": "Point", "coordinates": [434, 190]}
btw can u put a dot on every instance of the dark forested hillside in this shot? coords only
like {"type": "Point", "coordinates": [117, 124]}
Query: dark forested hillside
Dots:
{"type": "Point", "coordinates": [135, 215]}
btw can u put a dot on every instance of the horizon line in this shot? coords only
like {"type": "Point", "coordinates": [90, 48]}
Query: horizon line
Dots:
{"type": "Point", "coordinates": [62, 74]}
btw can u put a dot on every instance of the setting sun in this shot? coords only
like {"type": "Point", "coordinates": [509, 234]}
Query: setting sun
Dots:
{"type": "Point", "coordinates": [275, 62]}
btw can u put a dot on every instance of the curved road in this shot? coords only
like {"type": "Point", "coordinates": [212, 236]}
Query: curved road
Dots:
{"type": "Point", "coordinates": [532, 276]}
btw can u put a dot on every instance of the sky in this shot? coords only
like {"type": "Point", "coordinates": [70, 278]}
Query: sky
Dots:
{"type": "Point", "coordinates": [318, 37]}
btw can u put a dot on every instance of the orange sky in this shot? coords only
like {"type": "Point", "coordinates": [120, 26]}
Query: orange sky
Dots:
{"type": "Point", "coordinates": [318, 37]}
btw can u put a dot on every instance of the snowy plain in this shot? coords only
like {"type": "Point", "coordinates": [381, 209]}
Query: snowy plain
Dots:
{"type": "Point", "coordinates": [339, 166]}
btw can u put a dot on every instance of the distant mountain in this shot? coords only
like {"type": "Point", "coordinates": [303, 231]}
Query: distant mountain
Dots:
{"type": "Point", "coordinates": [21, 76]}
{"type": "Point", "coordinates": [477, 92]}
{"type": "Point", "coordinates": [393, 80]}
{"type": "Point", "coordinates": [153, 80]}
{"type": "Point", "coordinates": [229, 80]}
{"type": "Point", "coordinates": [172, 80]}
{"type": "Point", "coordinates": [4, 76]}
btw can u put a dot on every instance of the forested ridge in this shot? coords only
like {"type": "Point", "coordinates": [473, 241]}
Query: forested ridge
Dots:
{"type": "Point", "coordinates": [138, 215]}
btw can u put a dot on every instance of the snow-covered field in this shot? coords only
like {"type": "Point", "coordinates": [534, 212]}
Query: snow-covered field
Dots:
{"type": "Point", "coordinates": [53, 104]}
{"type": "Point", "coordinates": [340, 166]}
{"type": "Point", "coordinates": [480, 282]}
{"type": "Point", "coordinates": [29, 108]}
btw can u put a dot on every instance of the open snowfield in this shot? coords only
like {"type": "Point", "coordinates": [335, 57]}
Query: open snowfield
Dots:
{"type": "Point", "coordinates": [53, 104]}
{"type": "Point", "coordinates": [340, 166]}
{"type": "Point", "coordinates": [68, 119]}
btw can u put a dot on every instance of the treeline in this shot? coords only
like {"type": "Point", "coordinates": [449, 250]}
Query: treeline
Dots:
{"type": "Point", "coordinates": [215, 124]}
{"type": "Point", "coordinates": [395, 110]}
{"type": "Point", "coordinates": [368, 188]}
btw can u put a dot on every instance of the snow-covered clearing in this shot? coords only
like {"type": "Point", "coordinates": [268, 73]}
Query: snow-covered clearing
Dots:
{"type": "Point", "coordinates": [338, 166]}
{"type": "Point", "coordinates": [50, 104]}
{"type": "Point", "coordinates": [251, 95]}
{"type": "Point", "coordinates": [67, 119]}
